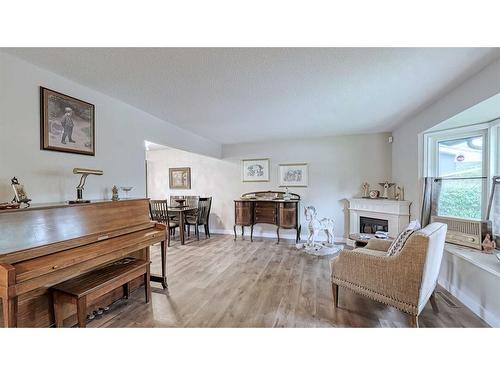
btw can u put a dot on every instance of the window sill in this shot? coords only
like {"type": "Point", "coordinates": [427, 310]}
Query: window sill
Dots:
{"type": "Point", "coordinates": [487, 262]}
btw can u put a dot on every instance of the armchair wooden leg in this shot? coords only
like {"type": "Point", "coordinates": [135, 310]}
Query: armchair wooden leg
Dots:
{"type": "Point", "coordinates": [434, 304]}
{"type": "Point", "coordinates": [335, 292]}
{"type": "Point", "coordinates": [414, 321]}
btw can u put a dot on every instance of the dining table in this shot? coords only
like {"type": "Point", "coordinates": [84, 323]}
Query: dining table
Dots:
{"type": "Point", "coordinates": [181, 211]}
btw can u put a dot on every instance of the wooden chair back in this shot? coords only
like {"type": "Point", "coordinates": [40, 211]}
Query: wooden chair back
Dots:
{"type": "Point", "coordinates": [204, 205]}
{"type": "Point", "coordinates": [192, 200]}
{"type": "Point", "coordinates": [159, 211]}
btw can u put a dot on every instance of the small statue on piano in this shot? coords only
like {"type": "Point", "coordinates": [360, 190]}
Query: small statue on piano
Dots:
{"type": "Point", "coordinates": [20, 195]}
{"type": "Point", "coordinates": [115, 196]}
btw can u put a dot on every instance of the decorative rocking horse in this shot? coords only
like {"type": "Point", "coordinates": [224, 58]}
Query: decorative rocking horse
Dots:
{"type": "Point", "coordinates": [315, 226]}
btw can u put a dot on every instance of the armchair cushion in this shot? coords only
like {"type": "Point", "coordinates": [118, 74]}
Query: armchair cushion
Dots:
{"type": "Point", "coordinates": [378, 244]}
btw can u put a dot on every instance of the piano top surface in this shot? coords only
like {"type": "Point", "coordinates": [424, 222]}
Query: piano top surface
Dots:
{"type": "Point", "coordinates": [48, 224]}
{"type": "Point", "coordinates": [42, 206]}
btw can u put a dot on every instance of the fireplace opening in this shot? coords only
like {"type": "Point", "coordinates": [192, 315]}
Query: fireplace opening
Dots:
{"type": "Point", "coordinates": [371, 225]}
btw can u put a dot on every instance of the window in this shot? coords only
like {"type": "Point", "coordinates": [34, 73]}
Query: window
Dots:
{"type": "Point", "coordinates": [460, 161]}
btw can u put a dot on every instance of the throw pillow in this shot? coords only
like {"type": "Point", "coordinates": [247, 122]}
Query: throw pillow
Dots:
{"type": "Point", "coordinates": [414, 225]}
{"type": "Point", "coordinates": [399, 242]}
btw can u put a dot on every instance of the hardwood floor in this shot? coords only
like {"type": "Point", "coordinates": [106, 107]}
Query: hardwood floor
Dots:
{"type": "Point", "coordinates": [222, 283]}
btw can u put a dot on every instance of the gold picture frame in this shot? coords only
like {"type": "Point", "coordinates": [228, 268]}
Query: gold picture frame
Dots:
{"type": "Point", "coordinates": [179, 178]}
{"type": "Point", "coordinates": [67, 124]}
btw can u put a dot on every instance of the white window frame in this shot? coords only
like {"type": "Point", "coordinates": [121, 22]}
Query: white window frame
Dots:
{"type": "Point", "coordinates": [486, 130]}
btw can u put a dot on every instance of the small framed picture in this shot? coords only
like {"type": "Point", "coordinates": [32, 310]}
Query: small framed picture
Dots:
{"type": "Point", "coordinates": [293, 175]}
{"type": "Point", "coordinates": [255, 170]}
{"type": "Point", "coordinates": [66, 123]}
{"type": "Point", "coordinates": [180, 178]}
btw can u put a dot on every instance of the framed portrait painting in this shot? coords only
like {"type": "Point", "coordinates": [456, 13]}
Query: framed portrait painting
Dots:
{"type": "Point", "coordinates": [255, 170]}
{"type": "Point", "coordinates": [179, 178]}
{"type": "Point", "coordinates": [293, 175]}
{"type": "Point", "coordinates": [66, 123]}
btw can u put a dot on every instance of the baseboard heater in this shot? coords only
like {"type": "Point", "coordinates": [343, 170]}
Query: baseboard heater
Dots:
{"type": "Point", "coordinates": [464, 232]}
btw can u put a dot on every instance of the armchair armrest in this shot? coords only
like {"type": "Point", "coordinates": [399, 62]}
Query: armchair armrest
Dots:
{"type": "Point", "coordinates": [378, 244]}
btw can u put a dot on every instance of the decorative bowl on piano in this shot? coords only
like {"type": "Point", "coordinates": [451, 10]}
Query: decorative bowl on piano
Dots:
{"type": "Point", "coordinates": [180, 202]}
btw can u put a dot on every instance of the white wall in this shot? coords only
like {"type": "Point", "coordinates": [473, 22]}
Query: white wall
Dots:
{"type": "Point", "coordinates": [406, 158]}
{"type": "Point", "coordinates": [120, 133]}
{"type": "Point", "coordinates": [458, 276]}
{"type": "Point", "coordinates": [337, 168]}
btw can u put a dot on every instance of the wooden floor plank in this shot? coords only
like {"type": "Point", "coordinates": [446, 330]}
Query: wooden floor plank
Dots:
{"type": "Point", "coordinates": [219, 282]}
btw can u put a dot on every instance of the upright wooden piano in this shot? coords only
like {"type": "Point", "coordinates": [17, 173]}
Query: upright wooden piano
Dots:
{"type": "Point", "coordinates": [267, 207]}
{"type": "Point", "coordinates": [43, 246]}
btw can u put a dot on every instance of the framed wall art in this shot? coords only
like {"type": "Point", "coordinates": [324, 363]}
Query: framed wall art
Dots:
{"type": "Point", "coordinates": [255, 170]}
{"type": "Point", "coordinates": [66, 123]}
{"type": "Point", "coordinates": [179, 178]}
{"type": "Point", "coordinates": [293, 175]}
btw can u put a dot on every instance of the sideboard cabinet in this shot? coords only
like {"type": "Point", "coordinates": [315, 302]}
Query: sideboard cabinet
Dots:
{"type": "Point", "coordinates": [267, 207]}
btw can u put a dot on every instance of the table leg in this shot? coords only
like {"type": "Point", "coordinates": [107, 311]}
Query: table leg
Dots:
{"type": "Point", "coordinates": [181, 226]}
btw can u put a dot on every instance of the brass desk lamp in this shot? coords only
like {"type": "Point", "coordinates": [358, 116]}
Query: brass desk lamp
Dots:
{"type": "Point", "coordinates": [79, 189]}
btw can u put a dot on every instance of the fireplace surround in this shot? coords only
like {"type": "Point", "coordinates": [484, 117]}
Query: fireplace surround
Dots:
{"type": "Point", "coordinates": [396, 213]}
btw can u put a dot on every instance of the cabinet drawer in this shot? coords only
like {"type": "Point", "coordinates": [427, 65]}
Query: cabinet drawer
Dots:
{"type": "Point", "coordinates": [243, 213]}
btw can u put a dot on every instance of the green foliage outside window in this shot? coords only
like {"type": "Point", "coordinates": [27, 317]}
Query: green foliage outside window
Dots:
{"type": "Point", "coordinates": [460, 198]}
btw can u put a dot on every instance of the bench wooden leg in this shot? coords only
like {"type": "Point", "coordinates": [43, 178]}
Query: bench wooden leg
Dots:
{"type": "Point", "coordinates": [58, 316]}
{"type": "Point", "coordinates": [9, 308]}
{"type": "Point", "coordinates": [81, 311]}
{"type": "Point", "coordinates": [126, 290]}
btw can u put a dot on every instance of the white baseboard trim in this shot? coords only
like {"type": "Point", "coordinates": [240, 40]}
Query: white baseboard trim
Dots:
{"type": "Point", "coordinates": [474, 306]}
{"type": "Point", "coordinates": [288, 236]}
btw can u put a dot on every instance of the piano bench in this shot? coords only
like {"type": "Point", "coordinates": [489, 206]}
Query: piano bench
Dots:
{"type": "Point", "coordinates": [83, 290]}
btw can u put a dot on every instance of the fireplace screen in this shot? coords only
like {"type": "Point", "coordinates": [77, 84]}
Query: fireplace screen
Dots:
{"type": "Point", "coordinates": [371, 225]}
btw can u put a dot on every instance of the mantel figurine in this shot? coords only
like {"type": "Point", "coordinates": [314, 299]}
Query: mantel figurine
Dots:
{"type": "Point", "coordinates": [400, 193]}
{"type": "Point", "coordinates": [115, 196]}
{"type": "Point", "coordinates": [386, 185]}
{"type": "Point", "coordinates": [365, 188]}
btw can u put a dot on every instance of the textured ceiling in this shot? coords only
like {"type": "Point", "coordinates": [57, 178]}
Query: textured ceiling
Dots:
{"type": "Point", "coordinates": [234, 95]}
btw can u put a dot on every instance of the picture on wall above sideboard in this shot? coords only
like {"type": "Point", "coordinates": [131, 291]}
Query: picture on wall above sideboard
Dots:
{"type": "Point", "coordinates": [295, 175]}
{"type": "Point", "coordinates": [179, 178]}
{"type": "Point", "coordinates": [255, 170]}
{"type": "Point", "coordinates": [66, 123]}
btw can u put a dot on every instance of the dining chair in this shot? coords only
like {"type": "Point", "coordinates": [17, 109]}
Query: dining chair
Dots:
{"type": "Point", "coordinates": [201, 217]}
{"type": "Point", "coordinates": [159, 212]}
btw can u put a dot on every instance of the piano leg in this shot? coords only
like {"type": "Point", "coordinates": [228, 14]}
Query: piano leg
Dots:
{"type": "Point", "coordinates": [163, 278]}
{"type": "Point", "coordinates": [164, 264]}
{"type": "Point", "coordinates": [9, 307]}
{"type": "Point", "coordinates": [9, 302]}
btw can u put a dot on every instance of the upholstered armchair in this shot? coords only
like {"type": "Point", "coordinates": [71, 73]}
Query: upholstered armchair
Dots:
{"type": "Point", "coordinates": [406, 280]}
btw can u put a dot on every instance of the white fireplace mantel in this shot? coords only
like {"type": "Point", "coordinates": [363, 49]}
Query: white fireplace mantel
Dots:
{"type": "Point", "coordinates": [397, 213]}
